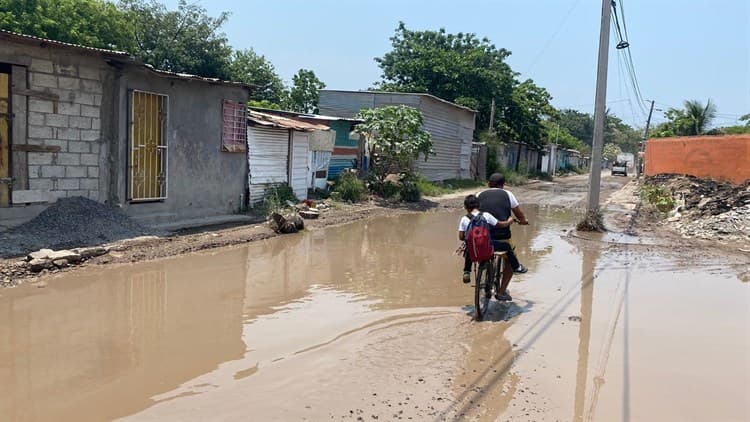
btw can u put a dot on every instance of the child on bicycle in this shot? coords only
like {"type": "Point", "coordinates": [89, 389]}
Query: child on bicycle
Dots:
{"type": "Point", "coordinates": [471, 204]}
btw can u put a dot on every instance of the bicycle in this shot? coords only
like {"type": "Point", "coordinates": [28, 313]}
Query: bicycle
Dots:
{"type": "Point", "coordinates": [491, 270]}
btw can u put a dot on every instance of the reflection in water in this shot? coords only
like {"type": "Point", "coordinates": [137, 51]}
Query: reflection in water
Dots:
{"type": "Point", "coordinates": [96, 345]}
{"type": "Point", "coordinates": [92, 349]}
{"type": "Point", "coordinates": [584, 331]}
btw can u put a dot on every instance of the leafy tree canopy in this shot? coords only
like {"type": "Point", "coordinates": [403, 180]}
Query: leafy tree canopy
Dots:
{"type": "Point", "coordinates": [93, 23]}
{"type": "Point", "coordinates": [305, 92]}
{"type": "Point", "coordinates": [249, 67]}
{"type": "Point", "coordinates": [456, 67]}
{"type": "Point", "coordinates": [694, 119]}
{"type": "Point", "coordinates": [611, 151]}
{"type": "Point", "coordinates": [395, 136]}
{"type": "Point", "coordinates": [183, 40]}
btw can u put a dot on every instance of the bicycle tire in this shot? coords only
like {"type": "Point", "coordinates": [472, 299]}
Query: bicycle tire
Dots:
{"type": "Point", "coordinates": [481, 290]}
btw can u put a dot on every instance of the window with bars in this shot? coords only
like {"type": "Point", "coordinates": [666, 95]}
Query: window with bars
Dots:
{"type": "Point", "coordinates": [234, 127]}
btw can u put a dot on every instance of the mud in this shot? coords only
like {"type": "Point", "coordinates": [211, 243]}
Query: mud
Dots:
{"type": "Point", "coordinates": [369, 321]}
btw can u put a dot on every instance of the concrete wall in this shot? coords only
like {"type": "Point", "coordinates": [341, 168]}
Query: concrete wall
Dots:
{"type": "Point", "coordinates": [80, 104]}
{"type": "Point", "coordinates": [203, 180]}
{"type": "Point", "coordinates": [715, 157]}
{"type": "Point", "coordinates": [72, 123]}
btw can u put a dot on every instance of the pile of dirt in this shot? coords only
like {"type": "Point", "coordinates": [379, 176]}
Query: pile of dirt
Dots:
{"type": "Point", "coordinates": [708, 209]}
{"type": "Point", "coordinates": [70, 223]}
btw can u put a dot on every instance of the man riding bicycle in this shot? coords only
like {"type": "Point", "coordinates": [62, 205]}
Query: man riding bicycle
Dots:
{"type": "Point", "coordinates": [500, 203]}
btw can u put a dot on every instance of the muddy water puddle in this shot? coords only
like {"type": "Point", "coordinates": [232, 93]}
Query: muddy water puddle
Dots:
{"type": "Point", "coordinates": [371, 320]}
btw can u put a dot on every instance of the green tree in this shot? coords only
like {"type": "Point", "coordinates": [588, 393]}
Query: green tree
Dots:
{"type": "Point", "coordinates": [93, 23]}
{"type": "Point", "coordinates": [694, 119]}
{"type": "Point", "coordinates": [611, 151]}
{"type": "Point", "coordinates": [580, 125]}
{"type": "Point", "coordinates": [456, 67]}
{"type": "Point", "coordinates": [251, 68]}
{"type": "Point", "coordinates": [395, 137]}
{"type": "Point", "coordinates": [305, 92]}
{"type": "Point", "coordinates": [523, 120]}
{"type": "Point", "coordinates": [185, 40]}
{"type": "Point", "coordinates": [557, 134]}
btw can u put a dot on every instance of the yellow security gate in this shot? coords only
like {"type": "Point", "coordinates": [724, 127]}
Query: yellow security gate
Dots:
{"type": "Point", "coordinates": [5, 119]}
{"type": "Point", "coordinates": [148, 147]}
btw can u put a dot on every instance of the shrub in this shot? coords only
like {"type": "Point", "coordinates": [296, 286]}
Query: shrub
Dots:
{"type": "Point", "coordinates": [349, 187]}
{"type": "Point", "coordinates": [274, 199]}
{"type": "Point", "coordinates": [410, 190]}
{"type": "Point", "coordinates": [657, 196]}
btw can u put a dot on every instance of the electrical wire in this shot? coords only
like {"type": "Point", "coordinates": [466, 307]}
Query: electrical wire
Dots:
{"type": "Point", "coordinates": [627, 55]}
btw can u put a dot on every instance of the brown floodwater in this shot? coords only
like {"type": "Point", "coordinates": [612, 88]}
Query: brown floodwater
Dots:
{"type": "Point", "coordinates": [371, 320]}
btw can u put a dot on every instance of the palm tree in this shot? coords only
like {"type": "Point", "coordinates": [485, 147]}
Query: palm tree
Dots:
{"type": "Point", "coordinates": [698, 116]}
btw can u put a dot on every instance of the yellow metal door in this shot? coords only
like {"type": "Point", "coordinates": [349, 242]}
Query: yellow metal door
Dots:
{"type": "Point", "coordinates": [5, 119]}
{"type": "Point", "coordinates": [148, 151]}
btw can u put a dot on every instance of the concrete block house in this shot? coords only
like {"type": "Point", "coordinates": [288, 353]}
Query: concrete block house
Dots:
{"type": "Point", "coordinates": [96, 123]}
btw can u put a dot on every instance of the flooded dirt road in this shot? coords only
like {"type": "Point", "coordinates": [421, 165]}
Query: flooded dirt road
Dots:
{"type": "Point", "coordinates": [370, 321]}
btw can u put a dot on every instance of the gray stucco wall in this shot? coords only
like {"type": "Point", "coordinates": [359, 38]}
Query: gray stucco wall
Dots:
{"type": "Point", "coordinates": [203, 180]}
{"type": "Point", "coordinates": [89, 123]}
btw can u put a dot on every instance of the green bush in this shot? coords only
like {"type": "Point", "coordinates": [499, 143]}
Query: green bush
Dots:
{"type": "Point", "coordinates": [410, 189]}
{"type": "Point", "coordinates": [428, 188]}
{"type": "Point", "coordinates": [274, 199]}
{"type": "Point", "coordinates": [657, 196]}
{"type": "Point", "coordinates": [349, 187]}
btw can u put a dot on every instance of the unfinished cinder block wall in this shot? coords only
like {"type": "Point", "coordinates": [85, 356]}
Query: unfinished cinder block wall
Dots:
{"type": "Point", "coordinates": [716, 157]}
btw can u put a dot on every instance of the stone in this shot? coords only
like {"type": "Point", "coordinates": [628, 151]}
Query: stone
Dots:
{"type": "Point", "coordinates": [61, 263]}
{"type": "Point", "coordinates": [298, 222]}
{"type": "Point", "coordinates": [70, 256]}
{"type": "Point", "coordinates": [88, 253]}
{"type": "Point", "coordinates": [37, 265]}
{"type": "Point", "coordinates": [40, 254]}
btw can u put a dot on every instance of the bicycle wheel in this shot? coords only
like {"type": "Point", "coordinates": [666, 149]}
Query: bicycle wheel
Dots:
{"type": "Point", "coordinates": [482, 293]}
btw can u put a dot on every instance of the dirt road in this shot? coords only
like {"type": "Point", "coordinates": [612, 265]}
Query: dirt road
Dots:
{"type": "Point", "coordinates": [369, 321]}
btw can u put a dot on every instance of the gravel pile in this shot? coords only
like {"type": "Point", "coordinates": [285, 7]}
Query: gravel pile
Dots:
{"type": "Point", "coordinates": [70, 223]}
{"type": "Point", "coordinates": [709, 209]}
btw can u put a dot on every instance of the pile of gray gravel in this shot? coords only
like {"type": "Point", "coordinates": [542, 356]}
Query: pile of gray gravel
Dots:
{"type": "Point", "coordinates": [70, 223]}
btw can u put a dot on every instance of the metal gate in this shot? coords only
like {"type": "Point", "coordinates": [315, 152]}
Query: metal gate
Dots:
{"type": "Point", "coordinates": [148, 147]}
{"type": "Point", "coordinates": [5, 119]}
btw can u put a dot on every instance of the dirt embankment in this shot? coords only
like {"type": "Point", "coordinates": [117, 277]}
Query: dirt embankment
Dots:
{"type": "Point", "coordinates": [704, 210]}
{"type": "Point", "coordinates": [136, 245]}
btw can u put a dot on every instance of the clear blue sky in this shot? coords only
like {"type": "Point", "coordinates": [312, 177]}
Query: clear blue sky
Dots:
{"type": "Point", "coordinates": [692, 49]}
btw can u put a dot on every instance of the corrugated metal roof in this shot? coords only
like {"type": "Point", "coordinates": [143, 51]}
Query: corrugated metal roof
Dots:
{"type": "Point", "coordinates": [421, 94]}
{"type": "Point", "coordinates": [111, 54]}
{"type": "Point", "coordinates": [43, 42]}
{"type": "Point", "coordinates": [294, 114]}
{"type": "Point", "coordinates": [281, 122]}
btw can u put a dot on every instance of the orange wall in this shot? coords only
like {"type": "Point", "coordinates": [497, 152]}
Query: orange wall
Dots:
{"type": "Point", "coordinates": [715, 157]}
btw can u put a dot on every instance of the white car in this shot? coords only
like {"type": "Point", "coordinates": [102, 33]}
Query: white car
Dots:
{"type": "Point", "coordinates": [620, 168]}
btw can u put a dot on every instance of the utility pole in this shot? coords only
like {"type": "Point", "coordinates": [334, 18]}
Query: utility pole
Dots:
{"type": "Point", "coordinates": [645, 138]}
{"type": "Point", "coordinates": [492, 116]}
{"type": "Point", "coordinates": [553, 156]}
{"type": "Point", "coordinates": [599, 108]}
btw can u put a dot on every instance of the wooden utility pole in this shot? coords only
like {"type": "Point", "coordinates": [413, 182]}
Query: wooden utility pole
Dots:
{"type": "Point", "coordinates": [599, 108]}
{"type": "Point", "coordinates": [492, 116]}
{"type": "Point", "coordinates": [645, 138]}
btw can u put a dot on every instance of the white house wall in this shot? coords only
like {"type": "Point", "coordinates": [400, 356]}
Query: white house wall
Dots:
{"type": "Point", "coordinates": [300, 172]}
{"type": "Point", "coordinates": [268, 155]}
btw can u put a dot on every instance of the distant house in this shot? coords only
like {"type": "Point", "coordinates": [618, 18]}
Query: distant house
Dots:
{"type": "Point", "coordinates": [100, 124]}
{"type": "Point", "coordinates": [332, 151]}
{"type": "Point", "coordinates": [281, 149]}
{"type": "Point", "coordinates": [450, 125]}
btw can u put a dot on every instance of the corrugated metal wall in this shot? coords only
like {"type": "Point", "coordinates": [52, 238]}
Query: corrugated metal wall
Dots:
{"type": "Point", "coordinates": [451, 142]}
{"type": "Point", "coordinates": [299, 167]}
{"type": "Point", "coordinates": [268, 155]}
{"type": "Point", "coordinates": [344, 104]}
{"type": "Point", "coordinates": [451, 128]}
